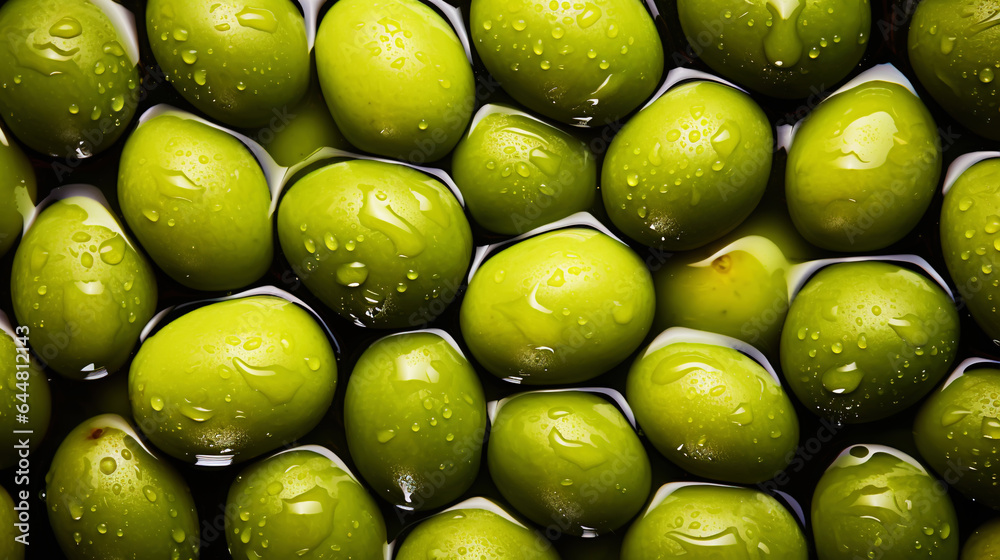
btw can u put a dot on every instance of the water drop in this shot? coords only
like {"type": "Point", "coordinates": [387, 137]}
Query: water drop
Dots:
{"type": "Point", "coordinates": [843, 379]}
{"type": "Point", "coordinates": [257, 18]}
{"type": "Point", "coordinates": [108, 465]}
{"type": "Point", "coordinates": [66, 28]}
{"type": "Point", "coordinates": [352, 274]}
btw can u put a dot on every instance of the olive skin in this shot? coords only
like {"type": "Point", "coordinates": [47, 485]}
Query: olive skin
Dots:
{"type": "Point", "coordinates": [789, 49]}
{"type": "Point", "coordinates": [309, 128]}
{"type": "Point", "coordinates": [475, 533]}
{"type": "Point", "coordinates": [10, 549]}
{"type": "Point", "coordinates": [568, 460]}
{"type": "Point", "coordinates": [109, 497]}
{"type": "Point", "coordinates": [865, 340]}
{"type": "Point", "coordinates": [239, 64]}
{"type": "Point", "coordinates": [689, 168]}
{"type": "Point", "coordinates": [18, 184]}
{"type": "Point", "coordinates": [381, 244]}
{"type": "Point", "coordinates": [399, 85]}
{"type": "Point", "coordinates": [744, 428]}
{"type": "Point", "coordinates": [231, 380]}
{"type": "Point", "coordinates": [302, 504]}
{"type": "Point", "coordinates": [957, 426]}
{"type": "Point", "coordinates": [583, 64]}
{"type": "Point", "coordinates": [198, 202]}
{"type": "Point", "coordinates": [703, 521]}
{"type": "Point", "coordinates": [742, 293]}
{"type": "Point", "coordinates": [984, 542]}
{"type": "Point", "coordinates": [953, 50]}
{"type": "Point", "coordinates": [533, 173]}
{"type": "Point", "coordinates": [561, 307]}
{"type": "Point", "coordinates": [82, 287]}
{"type": "Point", "coordinates": [970, 233]}
{"type": "Point", "coordinates": [871, 500]}
{"type": "Point", "coordinates": [415, 418]}
{"type": "Point", "coordinates": [69, 89]}
{"type": "Point", "coordinates": [863, 168]}
{"type": "Point", "coordinates": [17, 382]}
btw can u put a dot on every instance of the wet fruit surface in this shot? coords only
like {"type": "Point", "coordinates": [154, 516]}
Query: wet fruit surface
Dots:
{"type": "Point", "coordinates": [877, 500]}
{"type": "Point", "coordinates": [518, 173]}
{"type": "Point", "coordinates": [69, 88]}
{"type": "Point", "coordinates": [569, 461]}
{"type": "Point", "coordinates": [953, 49]}
{"type": "Point", "coordinates": [261, 374]}
{"type": "Point", "coordinates": [862, 168]}
{"type": "Point", "coordinates": [713, 411]}
{"type": "Point", "coordinates": [737, 290]}
{"type": "Point", "coordinates": [302, 504]}
{"type": "Point", "coordinates": [19, 186]}
{"type": "Point", "coordinates": [865, 340]}
{"type": "Point", "coordinates": [381, 244]}
{"type": "Point", "coordinates": [955, 433]}
{"type": "Point", "coordinates": [970, 235]}
{"type": "Point", "coordinates": [561, 307]}
{"type": "Point", "coordinates": [782, 48]}
{"type": "Point", "coordinates": [82, 287]}
{"type": "Point", "coordinates": [108, 496]}
{"type": "Point", "coordinates": [415, 418]}
{"type": "Point", "coordinates": [395, 77]}
{"type": "Point", "coordinates": [689, 168]}
{"type": "Point", "coordinates": [581, 63]}
{"type": "Point", "coordinates": [242, 63]}
{"type": "Point", "coordinates": [198, 203]}
{"type": "Point", "coordinates": [707, 521]}
{"type": "Point", "coordinates": [473, 533]}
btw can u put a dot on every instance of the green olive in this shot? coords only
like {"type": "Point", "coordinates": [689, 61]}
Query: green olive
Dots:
{"type": "Point", "coordinates": [415, 418]}
{"type": "Point", "coordinates": [740, 291]}
{"type": "Point", "coordinates": [689, 168]}
{"type": "Point", "coordinates": [395, 77]}
{"type": "Point", "coordinates": [560, 307]}
{"type": "Point", "coordinates": [970, 235]}
{"type": "Point", "coordinates": [381, 244]}
{"type": "Point", "coordinates": [24, 390]}
{"type": "Point", "coordinates": [17, 187]}
{"type": "Point", "coordinates": [472, 532]}
{"type": "Point", "coordinates": [234, 379]}
{"type": "Point", "coordinates": [109, 497]}
{"type": "Point", "coordinates": [863, 168]}
{"type": "Point", "coordinates": [518, 173]}
{"type": "Point", "coordinates": [782, 48]}
{"type": "Point", "coordinates": [308, 127]}
{"type": "Point", "coordinates": [581, 63]}
{"type": "Point", "coordinates": [953, 49]}
{"type": "Point", "coordinates": [956, 432]}
{"type": "Point", "coordinates": [875, 501]}
{"type": "Point", "coordinates": [984, 542]}
{"type": "Point", "coordinates": [713, 411]}
{"type": "Point", "coordinates": [706, 521]}
{"type": "Point", "coordinates": [69, 88]}
{"type": "Point", "coordinates": [198, 202]}
{"type": "Point", "coordinates": [11, 536]}
{"type": "Point", "coordinates": [239, 63]}
{"type": "Point", "coordinates": [82, 288]}
{"type": "Point", "coordinates": [302, 503]}
{"type": "Point", "coordinates": [569, 461]}
{"type": "Point", "coordinates": [865, 340]}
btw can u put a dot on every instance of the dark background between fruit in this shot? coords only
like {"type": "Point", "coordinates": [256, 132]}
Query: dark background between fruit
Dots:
{"type": "Point", "coordinates": [74, 401]}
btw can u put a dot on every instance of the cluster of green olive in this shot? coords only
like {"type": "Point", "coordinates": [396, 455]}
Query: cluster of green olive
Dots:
{"type": "Point", "coordinates": [554, 298]}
